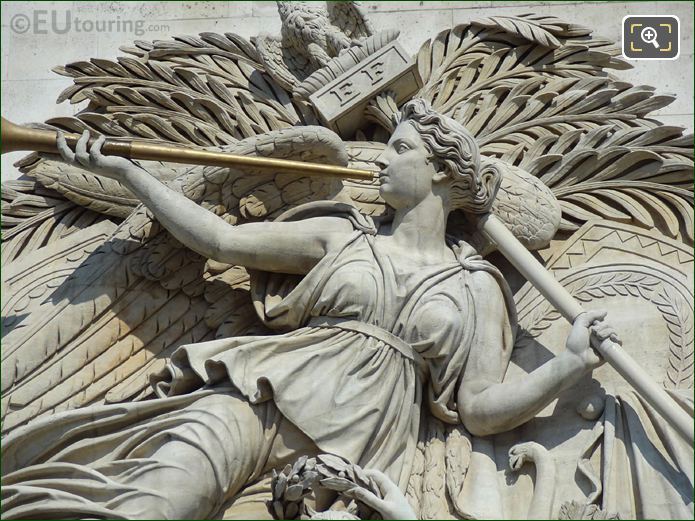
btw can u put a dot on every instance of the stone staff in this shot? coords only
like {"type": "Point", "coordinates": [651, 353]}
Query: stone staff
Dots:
{"type": "Point", "coordinates": [18, 138]}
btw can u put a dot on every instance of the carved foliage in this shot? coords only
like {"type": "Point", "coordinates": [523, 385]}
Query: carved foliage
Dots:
{"type": "Point", "coordinates": [676, 312]}
{"type": "Point", "coordinates": [207, 91]}
{"type": "Point", "coordinates": [34, 216]}
{"type": "Point", "coordinates": [533, 90]}
{"type": "Point", "coordinates": [678, 315]}
{"type": "Point", "coordinates": [295, 482]}
{"type": "Point", "coordinates": [543, 30]}
{"type": "Point", "coordinates": [148, 294]}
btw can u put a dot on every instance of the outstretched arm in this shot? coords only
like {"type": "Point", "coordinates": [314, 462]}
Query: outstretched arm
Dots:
{"type": "Point", "coordinates": [292, 247]}
{"type": "Point", "coordinates": [488, 406]}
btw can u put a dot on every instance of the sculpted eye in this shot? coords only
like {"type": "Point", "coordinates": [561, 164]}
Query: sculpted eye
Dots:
{"type": "Point", "coordinates": [402, 147]}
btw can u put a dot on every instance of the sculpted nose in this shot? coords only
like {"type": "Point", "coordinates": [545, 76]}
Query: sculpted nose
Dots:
{"type": "Point", "coordinates": [382, 161]}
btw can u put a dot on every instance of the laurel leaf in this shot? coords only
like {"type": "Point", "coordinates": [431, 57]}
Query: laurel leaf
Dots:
{"type": "Point", "coordinates": [520, 27]}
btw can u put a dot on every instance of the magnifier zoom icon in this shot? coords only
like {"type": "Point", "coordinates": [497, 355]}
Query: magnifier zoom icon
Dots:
{"type": "Point", "coordinates": [648, 35]}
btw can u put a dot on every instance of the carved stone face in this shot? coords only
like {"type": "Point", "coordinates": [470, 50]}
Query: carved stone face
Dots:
{"type": "Point", "coordinates": [407, 174]}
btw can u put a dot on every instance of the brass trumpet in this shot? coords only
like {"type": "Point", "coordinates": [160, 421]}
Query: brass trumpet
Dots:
{"type": "Point", "coordinates": [20, 138]}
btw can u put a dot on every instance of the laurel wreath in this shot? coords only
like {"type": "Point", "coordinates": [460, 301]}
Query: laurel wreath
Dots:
{"type": "Point", "coordinates": [672, 306]}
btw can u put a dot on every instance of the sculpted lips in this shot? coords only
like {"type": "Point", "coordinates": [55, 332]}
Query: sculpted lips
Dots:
{"type": "Point", "coordinates": [383, 177]}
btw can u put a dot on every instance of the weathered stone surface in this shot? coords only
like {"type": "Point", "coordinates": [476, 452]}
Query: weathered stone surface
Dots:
{"type": "Point", "coordinates": [644, 280]}
{"type": "Point", "coordinates": [265, 334]}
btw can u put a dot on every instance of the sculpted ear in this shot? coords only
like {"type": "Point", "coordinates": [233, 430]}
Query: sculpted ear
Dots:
{"type": "Point", "coordinates": [443, 171]}
{"type": "Point", "coordinates": [490, 180]}
{"type": "Point", "coordinates": [439, 176]}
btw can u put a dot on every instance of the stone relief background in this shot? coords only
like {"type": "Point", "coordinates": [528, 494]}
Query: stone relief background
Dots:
{"type": "Point", "coordinates": [29, 88]}
{"type": "Point", "coordinates": [635, 269]}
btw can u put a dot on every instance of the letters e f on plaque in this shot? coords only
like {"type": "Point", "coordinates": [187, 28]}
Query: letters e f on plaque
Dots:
{"type": "Point", "coordinates": [340, 104]}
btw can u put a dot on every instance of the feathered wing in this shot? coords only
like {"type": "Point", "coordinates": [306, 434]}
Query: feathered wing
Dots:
{"type": "Point", "coordinates": [96, 327]}
{"type": "Point", "coordinates": [206, 90]}
{"type": "Point", "coordinates": [535, 91]}
{"type": "Point", "coordinates": [200, 91]}
{"type": "Point", "coordinates": [286, 68]}
{"type": "Point", "coordinates": [347, 21]}
{"type": "Point", "coordinates": [33, 216]}
{"type": "Point", "coordinates": [124, 305]}
{"type": "Point", "coordinates": [350, 18]}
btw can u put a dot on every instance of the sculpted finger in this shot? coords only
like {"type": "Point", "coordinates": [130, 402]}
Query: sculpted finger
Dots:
{"type": "Point", "coordinates": [598, 315]}
{"type": "Point", "coordinates": [596, 357]}
{"type": "Point", "coordinates": [589, 317]}
{"type": "Point", "coordinates": [65, 152]}
{"type": "Point", "coordinates": [365, 497]}
{"type": "Point", "coordinates": [603, 332]}
{"type": "Point", "coordinates": [81, 153]}
{"type": "Point", "coordinates": [95, 151]}
{"type": "Point", "coordinates": [381, 479]}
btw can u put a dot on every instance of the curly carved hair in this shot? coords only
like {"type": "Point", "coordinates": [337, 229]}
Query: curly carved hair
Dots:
{"type": "Point", "coordinates": [454, 150]}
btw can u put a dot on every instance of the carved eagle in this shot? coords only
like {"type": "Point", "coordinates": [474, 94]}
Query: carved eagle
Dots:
{"type": "Point", "coordinates": [312, 34]}
{"type": "Point", "coordinates": [319, 32]}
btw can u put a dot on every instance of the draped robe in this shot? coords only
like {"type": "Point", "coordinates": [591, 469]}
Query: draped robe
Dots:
{"type": "Point", "coordinates": [362, 338]}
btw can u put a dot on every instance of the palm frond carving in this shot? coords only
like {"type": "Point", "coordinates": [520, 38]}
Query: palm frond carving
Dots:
{"type": "Point", "coordinates": [537, 94]}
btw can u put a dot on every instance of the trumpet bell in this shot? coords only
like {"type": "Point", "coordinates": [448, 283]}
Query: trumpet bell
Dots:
{"type": "Point", "coordinates": [15, 138]}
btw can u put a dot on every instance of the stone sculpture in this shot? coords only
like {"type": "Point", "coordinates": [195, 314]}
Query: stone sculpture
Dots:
{"type": "Point", "coordinates": [312, 35]}
{"type": "Point", "coordinates": [112, 326]}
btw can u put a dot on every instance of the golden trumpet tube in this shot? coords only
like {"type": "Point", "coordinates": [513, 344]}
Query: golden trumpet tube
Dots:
{"type": "Point", "coordinates": [19, 138]}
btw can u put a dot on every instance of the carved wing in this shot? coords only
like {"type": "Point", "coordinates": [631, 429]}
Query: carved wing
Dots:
{"type": "Point", "coordinates": [350, 18]}
{"type": "Point", "coordinates": [286, 66]}
{"type": "Point", "coordinates": [206, 90]}
{"type": "Point", "coordinates": [89, 320]}
{"type": "Point", "coordinates": [33, 216]}
{"type": "Point", "coordinates": [541, 98]}
{"type": "Point", "coordinates": [535, 91]}
{"type": "Point", "coordinates": [202, 91]}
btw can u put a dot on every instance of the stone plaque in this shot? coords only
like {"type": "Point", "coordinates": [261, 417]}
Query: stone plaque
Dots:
{"type": "Point", "coordinates": [340, 104]}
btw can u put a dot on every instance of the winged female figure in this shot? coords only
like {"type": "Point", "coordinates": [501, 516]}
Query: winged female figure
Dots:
{"type": "Point", "coordinates": [388, 297]}
{"type": "Point", "coordinates": [387, 316]}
